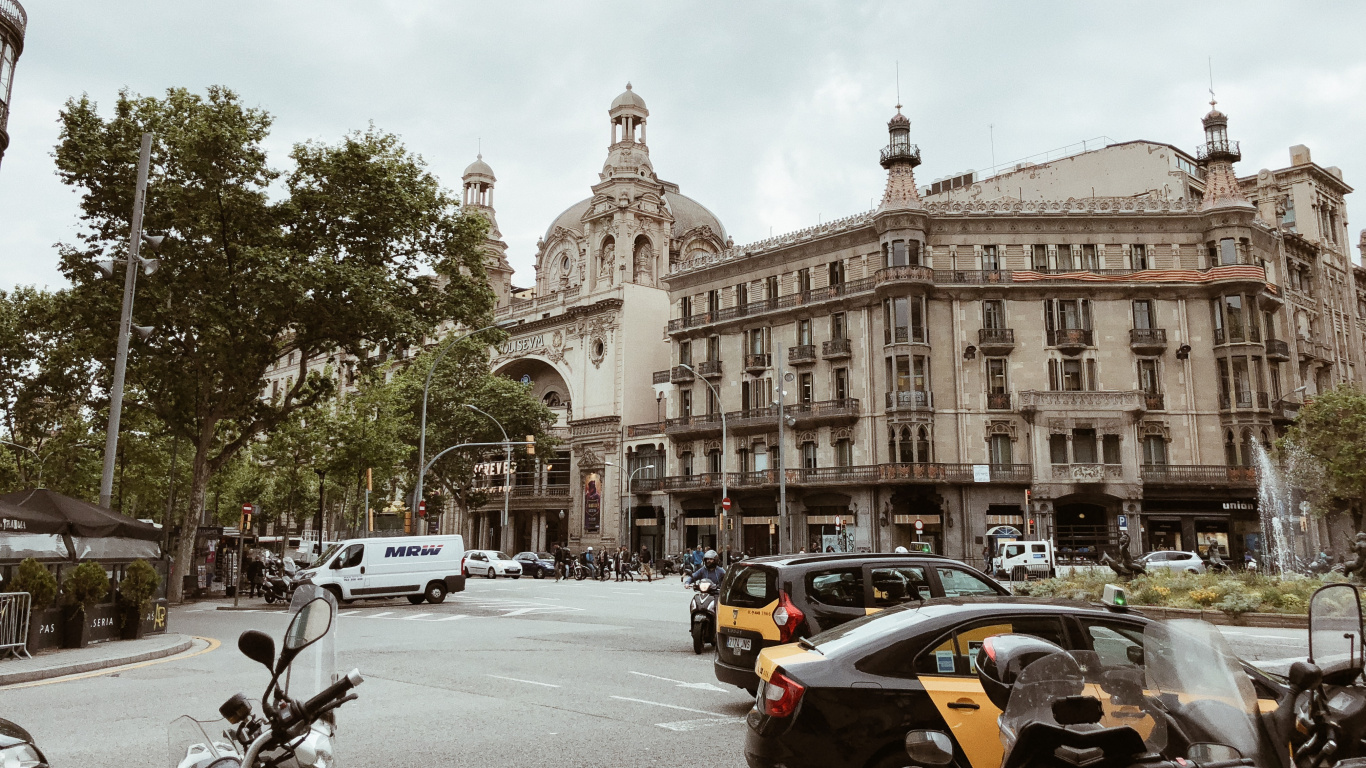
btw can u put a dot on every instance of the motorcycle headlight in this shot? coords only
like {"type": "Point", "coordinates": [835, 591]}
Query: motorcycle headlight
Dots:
{"type": "Point", "coordinates": [20, 756]}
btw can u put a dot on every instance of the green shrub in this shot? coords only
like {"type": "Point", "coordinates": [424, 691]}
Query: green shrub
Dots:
{"type": "Point", "coordinates": [37, 581]}
{"type": "Point", "coordinates": [85, 586]}
{"type": "Point", "coordinates": [1237, 602]}
{"type": "Point", "coordinates": [139, 583]}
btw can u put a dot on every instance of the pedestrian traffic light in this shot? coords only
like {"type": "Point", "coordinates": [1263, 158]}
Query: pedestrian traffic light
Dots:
{"type": "Point", "coordinates": [531, 445]}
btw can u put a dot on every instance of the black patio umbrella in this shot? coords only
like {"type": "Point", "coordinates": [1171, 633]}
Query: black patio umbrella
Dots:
{"type": "Point", "coordinates": [86, 519]}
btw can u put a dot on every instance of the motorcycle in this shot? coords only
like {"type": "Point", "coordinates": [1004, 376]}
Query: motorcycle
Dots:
{"type": "Point", "coordinates": [280, 581]}
{"type": "Point", "coordinates": [296, 726]}
{"type": "Point", "coordinates": [702, 613]}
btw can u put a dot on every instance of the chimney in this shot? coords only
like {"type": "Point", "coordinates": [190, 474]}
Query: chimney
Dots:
{"type": "Point", "coordinates": [1299, 155]}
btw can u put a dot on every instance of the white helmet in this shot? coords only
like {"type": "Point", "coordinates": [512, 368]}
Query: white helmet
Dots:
{"type": "Point", "coordinates": [902, 551]}
{"type": "Point", "coordinates": [590, 549]}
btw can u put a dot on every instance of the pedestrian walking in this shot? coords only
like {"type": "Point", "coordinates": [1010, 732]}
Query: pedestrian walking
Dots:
{"type": "Point", "coordinates": [645, 559]}
{"type": "Point", "coordinates": [256, 574]}
{"type": "Point", "coordinates": [561, 562]}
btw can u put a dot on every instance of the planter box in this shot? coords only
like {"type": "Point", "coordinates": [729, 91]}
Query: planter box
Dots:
{"type": "Point", "coordinates": [102, 623]}
{"type": "Point", "coordinates": [1281, 620]}
{"type": "Point", "coordinates": [154, 620]}
{"type": "Point", "coordinates": [44, 629]}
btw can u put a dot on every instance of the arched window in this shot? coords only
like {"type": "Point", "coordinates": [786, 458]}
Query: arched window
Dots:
{"type": "Point", "coordinates": [1230, 449]}
{"type": "Point", "coordinates": [642, 261]}
{"type": "Point", "coordinates": [551, 399]}
{"type": "Point", "coordinates": [922, 445]}
{"type": "Point", "coordinates": [1247, 447]}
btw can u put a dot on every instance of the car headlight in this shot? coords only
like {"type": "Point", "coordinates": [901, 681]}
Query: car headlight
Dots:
{"type": "Point", "coordinates": [20, 756]}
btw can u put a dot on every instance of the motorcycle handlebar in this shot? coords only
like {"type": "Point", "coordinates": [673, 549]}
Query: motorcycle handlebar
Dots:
{"type": "Point", "coordinates": [313, 706]}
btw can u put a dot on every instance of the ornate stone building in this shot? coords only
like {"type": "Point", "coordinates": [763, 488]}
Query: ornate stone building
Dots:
{"type": "Point", "coordinates": [1005, 356]}
{"type": "Point", "coordinates": [13, 23]}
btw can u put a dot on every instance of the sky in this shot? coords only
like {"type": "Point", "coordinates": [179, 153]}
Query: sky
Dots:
{"type": "Point", "coordinates": [769, 113]}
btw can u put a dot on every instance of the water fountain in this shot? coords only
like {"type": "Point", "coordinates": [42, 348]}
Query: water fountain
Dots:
{"type": "Point", "coordinates": [1278, 519]}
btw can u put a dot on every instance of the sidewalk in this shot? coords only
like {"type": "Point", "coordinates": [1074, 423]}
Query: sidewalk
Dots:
{"type": "Point", "coordinates": [58, 663]}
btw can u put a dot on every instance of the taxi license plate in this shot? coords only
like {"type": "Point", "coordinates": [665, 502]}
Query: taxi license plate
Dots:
{"type": "Point", "coordinates": [741, 643]}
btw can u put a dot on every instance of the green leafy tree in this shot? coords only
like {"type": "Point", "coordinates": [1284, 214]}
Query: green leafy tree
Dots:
{"type": "Point", "coordinates": [1326, 453]}
{"type": "Point", "coordinates": [338, 256]}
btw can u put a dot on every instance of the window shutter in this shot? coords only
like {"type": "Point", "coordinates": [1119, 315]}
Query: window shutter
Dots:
{"type": "Point", "coordinates": [1029, 257]}
{"type": "Point", "coordinates": [1052, 256]}
{"type": "Point", "coordinates": [1128, 256]}
{"type": "Point", "coordinates": [1091, 383]}
{"type": "Point", "coordinates": [1048, 315]}
{"type": "Point", "coordinates": [953, 257]}
{"type": "Point", "coordinates": [1086, 314]}
{"type": "Point", "coordinates": [1054, 382]}
{"type": "Point", "coordinates": [977, 257]}
{"type": "Point", "coordinates": [1100, 255]}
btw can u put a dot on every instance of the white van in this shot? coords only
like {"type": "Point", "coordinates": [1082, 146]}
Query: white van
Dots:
{"type": "Point", "coordinates": [417, 567]}
{"type": "Point", "coordinates": [1032, 559]}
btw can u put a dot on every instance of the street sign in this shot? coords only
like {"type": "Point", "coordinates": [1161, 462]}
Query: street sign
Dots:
{"type": "Point", "coordinates": [422, 509]}
{"type": "Point", "coordinates": [981, 473]}
{"type": "Point", "coordinates": [1123, 522]}
{"type": "Point", "coordinates": [919, 525]}
{"type": "Point", "coordinates": [725, 503]}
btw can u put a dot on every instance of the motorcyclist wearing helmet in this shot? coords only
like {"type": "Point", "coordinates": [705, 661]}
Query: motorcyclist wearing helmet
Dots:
{"type": "Point", "coordinates": [711, 570]}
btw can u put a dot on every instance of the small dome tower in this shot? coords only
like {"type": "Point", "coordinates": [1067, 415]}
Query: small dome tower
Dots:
{"type": "Point", "coordinates": [900, 158]}
{"type": "Point", "coordinates": [478, 184]}
{"type": "Point", "coordinates": [1218, 155]}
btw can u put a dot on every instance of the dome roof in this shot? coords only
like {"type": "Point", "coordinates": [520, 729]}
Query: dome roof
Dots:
{"type": "Point", "coordinates": [479, 168]}
{"type": "Point", "coordinates": [687, 212]}
{"type": "Point", "coordinates": [628, 98]}
{"type": "Point", "coordinates": [899, 119]}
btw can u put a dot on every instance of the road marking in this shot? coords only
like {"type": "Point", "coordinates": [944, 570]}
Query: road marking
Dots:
{"type": "Point", "coordinates": [681, 684]}
{"type": "Point", "coordinates": [377, 615]}
{"type": "Point", "coordinates": [212, 645]}
{"type": "Point", "coordinates": [669, 706]}
{"type": "Point", "coordinates": [415, 616]}
{"type": "Point", "coordinates": [693, 725]}
{"type": "Point", "coordinates": [452, 618]}
{"type": "Point", "coordinates": [519, 680]}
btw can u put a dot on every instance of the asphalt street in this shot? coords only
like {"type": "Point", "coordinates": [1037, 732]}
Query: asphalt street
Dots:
{"type": "Point", "coordinates": [508, 673]}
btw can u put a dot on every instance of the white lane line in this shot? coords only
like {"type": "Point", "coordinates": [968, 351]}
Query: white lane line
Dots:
{"type": "Point", "coordinates": [377, 615]}
{"type": "Point", "coordinates": [519, 680]}
{"type": "Point", "coordinates": [706, 722]}
{"type": "Point", "coordinates": [657, 677]}
{"type": "Point", "coordinates": [415, 616]}
{"type": "Point", "coordinates": [669, 706]}
{"type": "Point", "coordinates": [681, 684]}
{"type": "Point", "coordinates": [452, 618]}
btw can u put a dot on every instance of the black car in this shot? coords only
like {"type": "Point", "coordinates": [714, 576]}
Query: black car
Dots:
{"type": "Point", "coordinates": [848, 697]}
{"type": "Point", "coordinates": [536, 565]}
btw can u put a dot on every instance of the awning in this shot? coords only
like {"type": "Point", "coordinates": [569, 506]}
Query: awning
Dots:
{"type": "Point", "coordinates": [1005, 520]}
{"type": "Point", "coordinates": [86, 519]}
{"type": "Point", "coordinates": [700, 521]}
{"type": "Point", "coordinates": [910, 519]}
{"type": "Point", "coordinates": [41, 546]}
{"type": "Point", "coordinates": [20, 520]}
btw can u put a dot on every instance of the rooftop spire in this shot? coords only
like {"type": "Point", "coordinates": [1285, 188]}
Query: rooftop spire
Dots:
{"type": "Point", "coordinates": [1219, 154]}
{"type": "Point", "coordinates": [900, 159]}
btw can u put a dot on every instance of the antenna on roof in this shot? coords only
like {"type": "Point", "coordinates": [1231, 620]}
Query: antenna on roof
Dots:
{"type": "Point", "coordinates": [1210, 62]}
{"type": "Point", "coordinates": [898, 86]}
{"type": "Point", "coordinates": [480, 146]}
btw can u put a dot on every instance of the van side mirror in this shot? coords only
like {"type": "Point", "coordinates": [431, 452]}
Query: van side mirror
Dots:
{"type": "Point", "coordinates": [336, 564]}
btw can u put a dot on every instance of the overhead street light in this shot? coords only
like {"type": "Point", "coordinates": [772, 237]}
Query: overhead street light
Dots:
{"type": "Point", "coordinates": [507, 473]}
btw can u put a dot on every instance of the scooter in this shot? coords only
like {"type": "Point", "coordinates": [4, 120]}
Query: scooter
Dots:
{"type": "Point", "coordinates": [296, 727]}
{"type": "Point", "coordinates": [279, 583]}
{"type": "Point", "coordinates": [702, 613]}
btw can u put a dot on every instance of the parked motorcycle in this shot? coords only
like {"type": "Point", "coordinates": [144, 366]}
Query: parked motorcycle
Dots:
{"type": "Point", "coordinates": [280, 581]}
{"type": "Point", "coordinates": [702, 614]}
{"type": "Point", "coordinates": [293, 724]}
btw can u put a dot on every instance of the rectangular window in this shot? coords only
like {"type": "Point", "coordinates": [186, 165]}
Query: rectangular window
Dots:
{"type": "Point", "coordinates": [713, 300]}
{"type": "Point", "coordinates": [1224, 385]}
{"type": "Point", "coordinates": [804, 280]}
{"type": "Point", "coordinates": [918, 330]}
{"type": "Point", "coordinates": [1233, 309]}
{"type": "Point", "coordinates": [1143, 313]}
{"type": "Point", "coordinates": [1242, 383]}
{"type": "Point", "coordinates": [1000, 450]}
{"type": "Point", "coordinates": [685, 306]}
{"type": "Point", "coordinates": [996, 376]}
{"type": "Point", "coordinates": [837, 273]}
{"type": "Point", "coordinates": [994, 314]}
{"type": "Point", "coordinates": [1275, 381]}
{"type": "Point", "coordinates": [1092, 376]}
{"type": "Point", "coordinates": [760, 457]}
{"type": "Point", "coordinates": [1147, 376]}
{"type": "Point", "coordinates": [714, 461]}
{"type": "Point", "coordinates": [685, 353]}
{"type": "Point", "coordinates": [685, 463]}
{"type": "Point", "coordinates": [1084, 446]}
{"type": "Point", "coordinates": [1065, 258]}
{"type": "Point", "coordinates": [898, 254]}
{"type": "Point", "coordinates": [1228, 251]}
{"type": "Point", "coordinates": [1140, 257]}
{"type": "Point", "coordinates": [844, 453]}
{"type": "Point", "coordinates": [1110, 444]}
{"type": "Point", "coordinates": [990, 259]}
{"type": "Point", "coordinates": [685, 402]}
{"type": "Point", "coordinates": [838, 329]}
{"type": "Point", "coordinates": [742, 295]}
{"type": "Point", "coordinates": [1154, 450]}
{"type": "Point", "coordinates": [841, 383]}
{"type": "Point", "coordinates": [1040, 255]}
{"type": "Point", "coordinates": [713, 407]}
{"type": "Point", "coordinates": [771, 287]}
{"type": "Point", "coordinates": [1088, 258]}
{"type": "Point", "coordinates": [804, 332]}
{"type": "Point", "coordinates": [1071, 376]}
{"type": "Point", "coordinates": [806, 389]}
{"type": "Point", "coordinates": [896, 320]}
{"type": "Point", "coordinates": [913, 253]}
{"type": "Point", "coordinates": [1269, 323]}
{"type": "Point", "coordinates": [1219, 336]}
{"type": "Point", "coordinates": [921, 381]}
{"type": "Point", "coordinates": [1057, 449]}
{"type": "Point", "coordinates": [745, 460]}
{"type": "Point", "coordinates": [808, 455]}
{"type": "Point", "coordinates": [713, 349]}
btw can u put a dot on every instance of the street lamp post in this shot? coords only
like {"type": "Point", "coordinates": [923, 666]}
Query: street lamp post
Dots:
{"type": "Point", "coordinates": [621, 494]}
{"type": "Point", "coordinates": [322, 473]}
{"type": "Point", "coordinates": [111, 444]}
{"type": "Point", "coordinates": [422, 435]}
{"type": "Point", "coordinates": [725, 488]}
{"type": "Point", "coordinates": [507, 473]}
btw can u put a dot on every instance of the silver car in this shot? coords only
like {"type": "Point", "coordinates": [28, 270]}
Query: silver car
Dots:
{"type": "Point", "coordinates": [1189, 562]}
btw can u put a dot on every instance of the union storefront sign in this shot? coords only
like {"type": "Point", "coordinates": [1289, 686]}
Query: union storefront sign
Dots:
{"type": "Point", "coordinates": [523, 345]}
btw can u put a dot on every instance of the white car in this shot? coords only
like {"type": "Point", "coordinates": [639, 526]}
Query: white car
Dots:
{"type": "Point", "coordinates": [1189, 562]}
{"type": "Point", "coordinates": [490, 563]}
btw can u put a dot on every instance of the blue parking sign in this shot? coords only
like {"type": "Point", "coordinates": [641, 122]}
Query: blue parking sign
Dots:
{"type": "Point", "coordinates": [1123, 522]}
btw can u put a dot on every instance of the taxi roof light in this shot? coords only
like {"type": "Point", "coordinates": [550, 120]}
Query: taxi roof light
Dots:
{"type": "Point", "coordinates": [1115, 596]}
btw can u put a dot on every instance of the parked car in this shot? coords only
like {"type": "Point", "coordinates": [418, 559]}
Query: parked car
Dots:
{"type": "Point", "coordinates": [779, 599]}
{"type": "Point", "coordinates": [849, 696]}
{"type": "Point", "coordinates": [490, 563]}
{"type": "Point", "coordinates": [536, 565]}
{"type": "Point", "coordinates": [1189, 562]}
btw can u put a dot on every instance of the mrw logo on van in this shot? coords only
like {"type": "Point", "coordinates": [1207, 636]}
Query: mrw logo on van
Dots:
{"type": "Point", "coordinates": [413, 551]}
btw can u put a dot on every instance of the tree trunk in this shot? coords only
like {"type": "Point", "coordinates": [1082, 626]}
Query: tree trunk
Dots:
{"type": "Point", "coordinates": [189, 520]}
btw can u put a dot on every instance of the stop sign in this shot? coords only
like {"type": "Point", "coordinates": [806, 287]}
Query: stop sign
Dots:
{"type": "Point", "coordinates": [725, 503]}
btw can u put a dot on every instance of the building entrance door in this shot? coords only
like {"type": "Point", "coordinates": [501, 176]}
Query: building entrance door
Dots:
{"type": "Point", "coordinates": [1083, 532]}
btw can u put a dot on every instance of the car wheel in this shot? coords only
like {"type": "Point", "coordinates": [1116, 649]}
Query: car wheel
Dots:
{"type": "Point", "coordinates": [416, 599]}
{"type": "Point", "coordinates": [270, 599]}
{"type": "Point", "coordinates": [540, 573]}
{"type": "Point", "coordinates": [336, 592]}
{"type": "Point", "coordinates": [436, 592]}
{"type": "Point", "coordinates": [490, 574]}
{"type": "Point", "coordinates": [516, 575]}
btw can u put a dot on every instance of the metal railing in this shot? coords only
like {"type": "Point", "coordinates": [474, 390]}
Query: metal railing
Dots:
{"type": "Point", "coordinates": [802, 353]}
{"type": "Point", "coordinates": [755, 362]}
{"type": "Point", "coordinates": [908, 152]}
{"type": "Point", "coordinates": [680, 375]}
{"type": "Point", "coordinates": [973, 276]}
{"type": "Point", "coordinates": [646, 485]}
{"type": "Point", "coordinates": [1071, 337]}
{"type": "Point", "coordinates": [642, 430]}
{"type": "Point", "coordinates": [1154, 401]}
{"type": "Point", "coordinates": [862, 473]}
{"type": "Point", "coordinates": [998, 401]}
{"type": "Point", "coordinates": [1148, 337]}
{"type": "Point", "coordinates": [14, 616]}
{"type": "Point", "coordinates": [995, 337]}
{"type": "Point", "coordinates": [709, 368]}
{"type": "Point", "coordinates": [661, 377]}
{"type": "Point", "coordinates": [764, 306]}
{"type": "Point", "coordinates": [902, 334]}
{"type": "Point", "coordinates": [15, 14]}
{"type": "Point", "coordinates": [698, 421]}
{"type": "Point", "coordinates": [1198, 474]}
{"type": "Point", "coordinates": [836, 348]}
{"type": "Point", "coordinates": [848, 406]}
{"type": "Point", "coordinates": [688, 482]}
{"type": "Point", "coordinates": [1213, 149]}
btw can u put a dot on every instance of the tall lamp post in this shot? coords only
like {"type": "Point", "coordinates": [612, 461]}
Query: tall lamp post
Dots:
{"type": "Point", "coordinates": [621, 494]}
{"type": "Point", "coordinates": [725, 488]}
{"type": "Point", "coordinates": [134, 260]}
{"type": "Point", "coordinates": [507, 472]}
{"type": "Point", "coordinates": [422, 435]}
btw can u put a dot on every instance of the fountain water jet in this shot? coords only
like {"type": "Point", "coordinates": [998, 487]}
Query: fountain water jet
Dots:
{"type": "Point", "coordinates": [1273, 505]}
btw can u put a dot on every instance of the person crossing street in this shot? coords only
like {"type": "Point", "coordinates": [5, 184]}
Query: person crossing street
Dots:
{"type": "Point", "coordinates": [645, 563]}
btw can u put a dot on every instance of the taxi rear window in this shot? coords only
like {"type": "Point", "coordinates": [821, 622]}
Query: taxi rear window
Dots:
{"type": "Point", "coordinates": [750, 586]}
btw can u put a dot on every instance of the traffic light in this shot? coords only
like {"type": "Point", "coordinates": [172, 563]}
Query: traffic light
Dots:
{"type": "Point", "coordinates": [246, 521]}
{"type": "Point", "coordinates": [531, 445]}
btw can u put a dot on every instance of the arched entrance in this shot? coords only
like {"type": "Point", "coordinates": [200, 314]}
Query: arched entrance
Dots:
{"type": "Point", "coordinates": [547, 385]}
{"type": "Point", "coordinates": [1083, 531]}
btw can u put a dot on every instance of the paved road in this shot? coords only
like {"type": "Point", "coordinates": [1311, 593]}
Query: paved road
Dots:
{"type": "Point", "coordinates": [514, 672]}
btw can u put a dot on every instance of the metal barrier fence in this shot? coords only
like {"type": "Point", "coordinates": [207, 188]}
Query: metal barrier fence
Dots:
{"type": "Point", "coordinates": [14, 610]}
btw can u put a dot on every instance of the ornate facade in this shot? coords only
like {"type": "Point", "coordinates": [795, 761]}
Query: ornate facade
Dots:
{"type": "Point", "coordinates": [13, 23]}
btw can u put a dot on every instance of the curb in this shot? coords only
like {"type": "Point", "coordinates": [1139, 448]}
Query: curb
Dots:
{"type": "Point", "coordinates": [89, 666]}
{"type": "Point", "coordinates": [258, 609]}
{"type": "Point", "coordinates": [1267, 620]}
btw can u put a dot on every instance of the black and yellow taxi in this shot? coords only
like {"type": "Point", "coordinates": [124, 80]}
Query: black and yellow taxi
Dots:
{"type": "Point", "coordinates": [848, 697]}
{"type": "Point", "coordinates": [769, 601]}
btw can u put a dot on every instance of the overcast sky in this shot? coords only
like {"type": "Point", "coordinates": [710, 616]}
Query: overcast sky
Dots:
{"type": "Point", "coordinates": [771, 114]}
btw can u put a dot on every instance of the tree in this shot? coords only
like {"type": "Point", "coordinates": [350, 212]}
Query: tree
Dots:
{"type": "Point", "coordinates": [343, 263]}
{"type": "Point", "coordinates": [462, 378]}
{"type": "Point", "coordinates": [1326, 452]}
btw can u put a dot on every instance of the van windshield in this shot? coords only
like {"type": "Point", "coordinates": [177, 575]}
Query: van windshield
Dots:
{"type": "Point", "coordinates": [327, 555]}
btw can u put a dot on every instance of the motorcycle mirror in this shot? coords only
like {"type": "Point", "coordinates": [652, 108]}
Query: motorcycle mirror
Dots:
{"type": "Point", "coordinates": [309, 625]}
{"type": "Point", "coordinates": [1335, 627]}
{"type": "Point", "coordinates": [257, 646]}
{"type": "Point", "coordinates": [929, 748]}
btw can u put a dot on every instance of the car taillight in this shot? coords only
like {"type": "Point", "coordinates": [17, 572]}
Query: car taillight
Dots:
{"type": "Point", "coordinates": [788, 617]}
{"type": "Point", "coordinates": [780, 695]}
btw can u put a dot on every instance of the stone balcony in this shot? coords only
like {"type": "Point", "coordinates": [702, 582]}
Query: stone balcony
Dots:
{"type": "Point", "coordinates": [823, 412]}
{"type": "Point", "coordinates": [1097, 400]}
{"type": "Point", "coordinates": [801, 354]}
{"type": "Point", "coordinates": [756, 363]}
{"type": "Point", "coordinates": [709, 368]}
{"type": "Point", "coordinates": [912, 400]}
{"type": "Point", "coordinates": [1087, 473]}
{"type": "Point", "coordinates": [1277, 350]}
{"type": "Point", "coordinates": [864, 474]}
